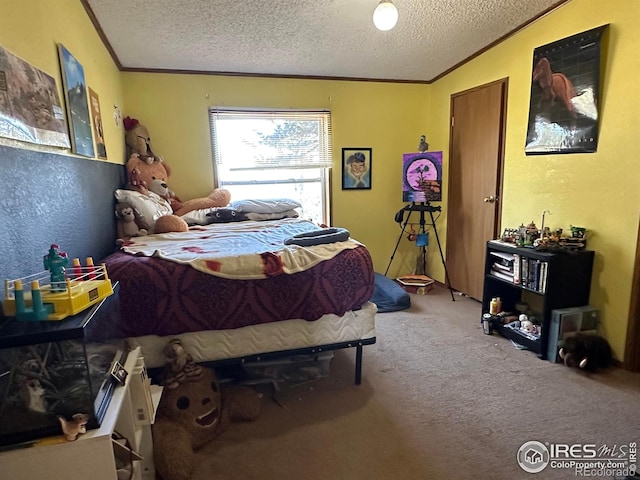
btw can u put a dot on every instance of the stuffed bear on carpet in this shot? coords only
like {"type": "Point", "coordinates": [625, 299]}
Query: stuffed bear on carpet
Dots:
{"type": "Point", "coordinates": [586, 351]}
{"type": "Point", "coordinates": [193, 412]}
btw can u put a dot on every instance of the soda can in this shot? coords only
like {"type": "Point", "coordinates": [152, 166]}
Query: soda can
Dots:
{"type": "Point", "coordinates": [486, 323]}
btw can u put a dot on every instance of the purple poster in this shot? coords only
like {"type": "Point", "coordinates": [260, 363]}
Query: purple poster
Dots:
{"type": "Point", "coordinates": [422, 177]}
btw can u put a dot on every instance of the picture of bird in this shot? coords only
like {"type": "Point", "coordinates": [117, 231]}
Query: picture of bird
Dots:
{"type": "Point", "coordinates": [423, 146]}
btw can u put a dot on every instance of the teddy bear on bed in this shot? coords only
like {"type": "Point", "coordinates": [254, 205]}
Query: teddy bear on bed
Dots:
{"type": "Point", "coordinates": [127, 226]}
{"type": "Point", "coordinates": [147, 171]}
{"type": "Point", "coordinates": [194, 411]}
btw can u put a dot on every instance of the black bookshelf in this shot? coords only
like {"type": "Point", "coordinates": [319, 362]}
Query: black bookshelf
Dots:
{"type": "Point", "coordinates": [559, 279]}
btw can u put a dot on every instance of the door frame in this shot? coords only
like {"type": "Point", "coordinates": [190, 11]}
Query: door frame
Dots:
{"type": "Point", "coordinates": [497, 224]}
{"type": "Point", "coordinates": [632, 346]}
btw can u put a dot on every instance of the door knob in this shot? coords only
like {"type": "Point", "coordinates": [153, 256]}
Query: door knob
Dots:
{"type": "Point", "coordinates": [490, 199]}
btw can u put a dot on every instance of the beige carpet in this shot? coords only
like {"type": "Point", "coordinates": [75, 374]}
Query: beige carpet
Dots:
{"type": "Point", "coordinates": [439, 400]}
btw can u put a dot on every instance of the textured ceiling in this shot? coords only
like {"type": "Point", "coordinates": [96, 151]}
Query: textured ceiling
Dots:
{"type": "Point", "coordinates": [330, 38]}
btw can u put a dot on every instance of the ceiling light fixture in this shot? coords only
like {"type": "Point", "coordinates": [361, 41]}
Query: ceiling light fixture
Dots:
{"type": "Point", "coordinates": [385, 15]}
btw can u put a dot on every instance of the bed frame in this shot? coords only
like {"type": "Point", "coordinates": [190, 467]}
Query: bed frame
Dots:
{"type": "Point", "coordinates": [358, 344]}
{"type": "Point", "coordinates": [48, 198]}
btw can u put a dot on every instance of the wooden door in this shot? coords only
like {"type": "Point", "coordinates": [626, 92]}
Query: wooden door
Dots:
{"type": "Point", "coordinates": [475, 181]}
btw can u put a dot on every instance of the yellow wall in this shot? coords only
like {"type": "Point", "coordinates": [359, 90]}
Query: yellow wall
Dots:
{"type": "Point", "coordinates": [32, 29]}
{"type": "Point", "coordinates": [386, 117]}
{"type": "Point", "coordinates": [600, 191]}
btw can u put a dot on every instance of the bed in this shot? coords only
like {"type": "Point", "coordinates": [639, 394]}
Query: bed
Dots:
{"type": "Point", "coordinates": [234, 292]}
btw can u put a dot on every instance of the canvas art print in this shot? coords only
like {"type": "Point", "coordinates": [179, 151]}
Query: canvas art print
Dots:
{"type": "Point", "coordinates": [356, 168]}
{"type": "Point", "coordinates": [565, 93]}
{"type": "Point", "coordinates": [30, 108]}
{"type": "Point", "coordinates": [98, 131]}
{"type": "Point", "coordinates": [422, 177]}
{"type": "Point", "coordinates": [75, 91]}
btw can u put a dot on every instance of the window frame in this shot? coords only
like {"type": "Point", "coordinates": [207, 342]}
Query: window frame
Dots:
{"type": "Point", "coordinates": [323, 163]}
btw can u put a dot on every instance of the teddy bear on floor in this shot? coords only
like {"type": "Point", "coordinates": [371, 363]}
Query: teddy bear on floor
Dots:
{"type": "Point", "coordinates": [586, 351]}
{"type": "Point", "coordinates": [194, 412]}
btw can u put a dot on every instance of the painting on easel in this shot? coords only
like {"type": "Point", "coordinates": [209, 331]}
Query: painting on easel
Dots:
{"type": "Point", "coordinates": [565, 92]}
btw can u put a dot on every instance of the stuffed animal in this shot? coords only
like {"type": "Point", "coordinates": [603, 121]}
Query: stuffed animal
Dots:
{"type": "Point", "coordinates": [220, 197]}
{"type": "Point", "coordinates": [145, 177]}
{"type": "Point", "coordinates": [181, 365]}
{"type": "Point", "coordinates": [192, 413]}
{"type": "Point", "coordinates": [170, 223]}
{"type": "Point", "coordinates": [225, 215]}
{"type": "Point", "coordinates": [154, 177]}
{"type": "Point", "coordinates": [138, 140]}
{"type": "Point", "coordinates": [585, 351]}
{"type": "Point", "coordinates": [147, 171]}
{"type": "Point", "coordinates": [127, 226]}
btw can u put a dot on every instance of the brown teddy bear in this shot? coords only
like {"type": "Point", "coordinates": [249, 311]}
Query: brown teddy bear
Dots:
{"type": "Point", "coordinates": [194, 412]}
{"type": "Point", "coordinates": [149, 172]}
{"type": "Point", "coordinates": [152, 176]}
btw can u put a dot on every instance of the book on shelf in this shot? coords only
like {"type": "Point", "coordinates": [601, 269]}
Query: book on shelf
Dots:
{"type": "Point", "coordinates": [415, 280]}
{"type": "Point", "coordinates": [542, 285]}
{"type": "Point", "coordinates": [503, 258]}
{"type": "Point", "coordinates": [502, 275]}
{"type": "Point", "coordinates": [502, 268]}
{"type": "Point", "coordinates": [516, 268]}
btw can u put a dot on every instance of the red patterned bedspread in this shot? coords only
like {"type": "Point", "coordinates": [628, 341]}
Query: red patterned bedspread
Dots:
{"type": "Point", "coordinates": [161, 297]}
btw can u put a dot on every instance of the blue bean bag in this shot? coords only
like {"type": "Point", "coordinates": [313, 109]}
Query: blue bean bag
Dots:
{"type": "Point", "coordinates": [389, 296]}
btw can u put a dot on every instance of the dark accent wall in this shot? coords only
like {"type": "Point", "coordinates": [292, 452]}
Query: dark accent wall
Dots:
{"type": "Point", "coordinates": [48, 198]}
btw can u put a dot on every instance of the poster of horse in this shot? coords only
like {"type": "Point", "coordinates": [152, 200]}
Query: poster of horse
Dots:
{"type": "Point", "coordinates": [565, 91]}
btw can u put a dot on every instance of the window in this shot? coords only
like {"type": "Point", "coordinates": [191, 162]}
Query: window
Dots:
{"type": "Point", "coordinates": [274, 154]}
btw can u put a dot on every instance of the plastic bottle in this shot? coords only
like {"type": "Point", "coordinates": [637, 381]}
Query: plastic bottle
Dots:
{"type": "Point", "coordinates": [498, 305]}
{"type": "Point", "coordinates": [493, 306]}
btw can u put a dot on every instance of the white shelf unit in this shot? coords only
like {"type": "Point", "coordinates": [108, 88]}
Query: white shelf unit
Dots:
{"type": "Point", "coordinates": [92, 455]}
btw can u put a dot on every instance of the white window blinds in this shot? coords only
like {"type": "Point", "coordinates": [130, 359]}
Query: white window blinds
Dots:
{"type": "Point", "coordinates": [264, 140]}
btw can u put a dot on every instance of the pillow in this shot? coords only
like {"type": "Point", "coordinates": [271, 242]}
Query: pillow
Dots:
{"type": "Point", "coordinates": [267, 205]}
{"type": "Point", "coordinates": [198, 216]}
{"type": "Point", "coordinates": [388, 295]}
{"type": "Point", "coordinates": [258, 217]}
{"type": "Point", "coordinates": [149, 207]}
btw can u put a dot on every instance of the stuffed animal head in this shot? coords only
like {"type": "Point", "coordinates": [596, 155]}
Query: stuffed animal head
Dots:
{"type": "Point", "coordinates": [145, 176]}
{"type": "Point", "coordinates": [193, 411]}
{"type": "Point", "coordinates": [587, 352]}
{"type": "Point", "coordinates": [138, 140]}
{"type": "Point", "coordinates": [195, 405]}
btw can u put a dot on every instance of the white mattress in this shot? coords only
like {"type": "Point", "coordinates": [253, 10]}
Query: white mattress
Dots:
{"type": "Point", "coordinates": [213, 345]}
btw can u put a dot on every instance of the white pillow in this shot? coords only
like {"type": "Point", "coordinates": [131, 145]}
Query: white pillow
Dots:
{"type": "Point", "coordinates": [258, 217]}
{"type": "Point", "coordinates": [197, 217]}
{"type": "Point", "coordinates": [149, 207]}
{"type": "Point", "coordinates": [266, 205]}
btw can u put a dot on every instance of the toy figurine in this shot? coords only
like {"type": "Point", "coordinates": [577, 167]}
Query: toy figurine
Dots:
{"type": "Point", "coordinates": [76, 426]}
{"type": "Point", "coordinates": [55, 262]}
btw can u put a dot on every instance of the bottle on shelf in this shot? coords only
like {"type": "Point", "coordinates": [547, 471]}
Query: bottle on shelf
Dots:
{"type": "Point", "coordinates": [493, 306]}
